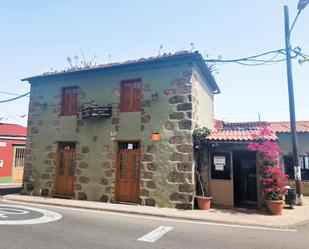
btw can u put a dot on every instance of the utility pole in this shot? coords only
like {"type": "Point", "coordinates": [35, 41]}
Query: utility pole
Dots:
{"type": "Point", "coordinates": [297, 171]}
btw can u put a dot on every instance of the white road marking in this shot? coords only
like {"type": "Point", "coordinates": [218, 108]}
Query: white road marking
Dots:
{"type": "Point", "coordinates": [47, 216]}
{"type": "Point", "coordinates": [156, 234]}
{"type": "Point", "coordinates": [149, 217]}
{"type": "Point", "coordinates": [4, 211]}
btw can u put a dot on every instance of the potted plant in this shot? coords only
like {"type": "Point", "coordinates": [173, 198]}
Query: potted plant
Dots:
{"type": "Point", "coordinates": [199, 144]}
{"type": "Point", "coordinates": [273, 179]}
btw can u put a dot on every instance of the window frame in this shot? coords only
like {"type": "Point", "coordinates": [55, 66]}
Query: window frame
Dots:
{"type": "Point", "coordinates": [289, 167]}
{"type": "Point", "coordinates": [19, 156]}
{"type": "Point", "coordinates": [225, 174]}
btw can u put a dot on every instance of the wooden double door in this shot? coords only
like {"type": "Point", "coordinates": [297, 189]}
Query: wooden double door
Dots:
{"type": "Point", "coordinates": [128, 172]}
{"type": "Point", "coordinates": [65, 169]}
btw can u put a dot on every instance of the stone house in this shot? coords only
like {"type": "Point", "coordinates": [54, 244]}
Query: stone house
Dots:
{"type": "Point", "coordinates": [119, 132]}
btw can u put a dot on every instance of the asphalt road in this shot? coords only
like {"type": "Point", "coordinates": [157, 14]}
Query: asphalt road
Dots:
{"type": "Point", "coordinates": [96, 230]}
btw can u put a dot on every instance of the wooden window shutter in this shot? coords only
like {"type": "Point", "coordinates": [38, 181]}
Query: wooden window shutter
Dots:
{"type": "Point", "coordinates": [130, 96]}
{"type": "Point", "coordinates": [69, 101]}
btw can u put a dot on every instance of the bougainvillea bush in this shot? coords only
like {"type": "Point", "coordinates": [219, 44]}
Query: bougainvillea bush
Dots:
{"type": "Point", "coordinates": [272, 177]}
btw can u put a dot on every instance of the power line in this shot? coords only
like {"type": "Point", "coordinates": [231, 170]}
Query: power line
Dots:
{"type": "Point", "coordinates": [249, 57]}
{"type": "Point", "coordinates": [12, 99]}
{"type": "Point", "coordinates": [11, 82]}
{"type": "Point", "coordinates": [257, 60]}
{"type": "Point", "coordinates": [9, 93]}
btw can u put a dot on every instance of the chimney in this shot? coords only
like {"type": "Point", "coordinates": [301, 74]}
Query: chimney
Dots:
{"type": "Point", "coordinates": [218, 124]}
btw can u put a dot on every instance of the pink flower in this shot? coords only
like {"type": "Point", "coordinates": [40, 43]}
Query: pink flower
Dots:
{"type": "Point", "coordinates": [252, 146]}
{"type": "Point", "coordinates": [272, 178]}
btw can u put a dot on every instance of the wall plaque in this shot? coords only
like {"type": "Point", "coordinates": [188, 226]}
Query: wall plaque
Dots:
{"type": "Point", "coordinates": [93, 112]}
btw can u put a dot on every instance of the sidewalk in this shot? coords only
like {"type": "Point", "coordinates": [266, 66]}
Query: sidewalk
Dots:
{"type": "Point", "coordinates": [10, 185]}
{"type": "Point", "coordinates": [290, 218]}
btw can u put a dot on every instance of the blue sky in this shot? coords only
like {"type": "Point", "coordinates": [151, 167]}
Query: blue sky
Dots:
{"type": "Point", "coordinates": [38, 35]}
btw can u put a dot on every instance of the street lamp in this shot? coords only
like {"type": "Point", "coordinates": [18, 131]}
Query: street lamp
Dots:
{"type": "Point", "coordinates": [301, 5]}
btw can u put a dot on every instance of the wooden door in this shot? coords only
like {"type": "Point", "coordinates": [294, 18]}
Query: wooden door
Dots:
{"type": "Point", "coordinates": [65, 169]}
{"type": "Point", "coordinates": [128, 172]}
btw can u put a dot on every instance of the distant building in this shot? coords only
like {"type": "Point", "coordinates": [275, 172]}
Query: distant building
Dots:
{"type": "Point", "coordinates": [119, 132]}
{"type": "Point", "coordinates": [283, 132]}
{"type": "Point", "coordinates": [12, 153]}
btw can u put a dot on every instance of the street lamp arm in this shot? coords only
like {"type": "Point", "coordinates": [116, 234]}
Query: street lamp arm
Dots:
{"type": "Point", "coordinates": [298, 13]}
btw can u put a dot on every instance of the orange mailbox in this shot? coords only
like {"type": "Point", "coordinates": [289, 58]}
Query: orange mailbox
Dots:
{"type": "Point", "coordinates": [155, 137]}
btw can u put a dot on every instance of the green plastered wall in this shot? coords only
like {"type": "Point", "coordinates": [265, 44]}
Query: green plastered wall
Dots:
{"type": "Point", "coordinates": [166, 166]}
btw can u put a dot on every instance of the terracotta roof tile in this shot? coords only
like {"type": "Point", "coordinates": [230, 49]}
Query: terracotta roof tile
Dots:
{"type": "Point", "coordinates": [235, 135]}
{"type": "Point", "coordinates": [284, 126]}
{"type": "Point", "coordinates": [242, 131]}
{"type": "Point", "coordinates": [194, 55]}
{"type": "Point", "coordinates": [246, 131]}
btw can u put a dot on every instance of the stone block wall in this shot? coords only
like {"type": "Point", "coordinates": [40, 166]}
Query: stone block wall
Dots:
{"type": "Point", "coordinates": [167, 166]}
{"type": "Point", "coordinates": [176, 153]}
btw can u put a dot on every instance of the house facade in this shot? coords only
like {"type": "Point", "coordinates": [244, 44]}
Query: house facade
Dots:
{"type": "Point", "coordinates": [119, 132]}
{"type": "Point", "coordinates": [12, 153]}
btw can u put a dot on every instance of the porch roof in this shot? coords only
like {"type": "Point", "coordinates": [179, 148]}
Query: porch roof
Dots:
{"type": "Point", "coordinates": [242, 131]}
{"type": "Point", "coordinates": [236, 135]}
{"type": "Point", "coordinates": [284, 126]}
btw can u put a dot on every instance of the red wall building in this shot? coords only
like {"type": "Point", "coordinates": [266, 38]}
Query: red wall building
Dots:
{"type": "Point", "coordinates": [12, 151]}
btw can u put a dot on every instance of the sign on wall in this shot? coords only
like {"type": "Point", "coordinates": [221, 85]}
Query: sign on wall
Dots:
{"type": "Point", "coordinates": [221, 165]}
{"type": "Point", "coordinates": [2, 144]}
{"type": "Point", "coordinates": [93, 112]}
{"type": "Point", "coordinates": [1, 163]}
{"type": "Point", "coordinates": [219, 160]}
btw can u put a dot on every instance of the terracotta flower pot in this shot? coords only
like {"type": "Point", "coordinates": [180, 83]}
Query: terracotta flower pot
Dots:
{"type": "Point", "coordinates": [203, 202]}
{"type": "Point", "coordinates": [274, 207]}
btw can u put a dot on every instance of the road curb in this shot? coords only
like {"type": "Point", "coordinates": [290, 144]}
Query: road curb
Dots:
{"type": "Point", "coordinates": [14, 198]}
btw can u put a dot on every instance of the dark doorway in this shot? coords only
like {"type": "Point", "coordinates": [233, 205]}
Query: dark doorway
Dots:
{"type": "Point", "coordinates": [245, 185]}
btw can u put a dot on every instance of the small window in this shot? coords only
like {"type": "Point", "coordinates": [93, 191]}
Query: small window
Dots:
{"type": "Point", "coordinates": [304, 167]}
{"type": "Point", "coordinates": [19, 157]}
{"type": "Point", "coordinates": [221, 165]}
{"type": "Point", "coordinates": [130, 96]}
{"type": "Point", "coordinates": [128, 145]}
{"type": "Point", "coordinates": [69, 101]}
